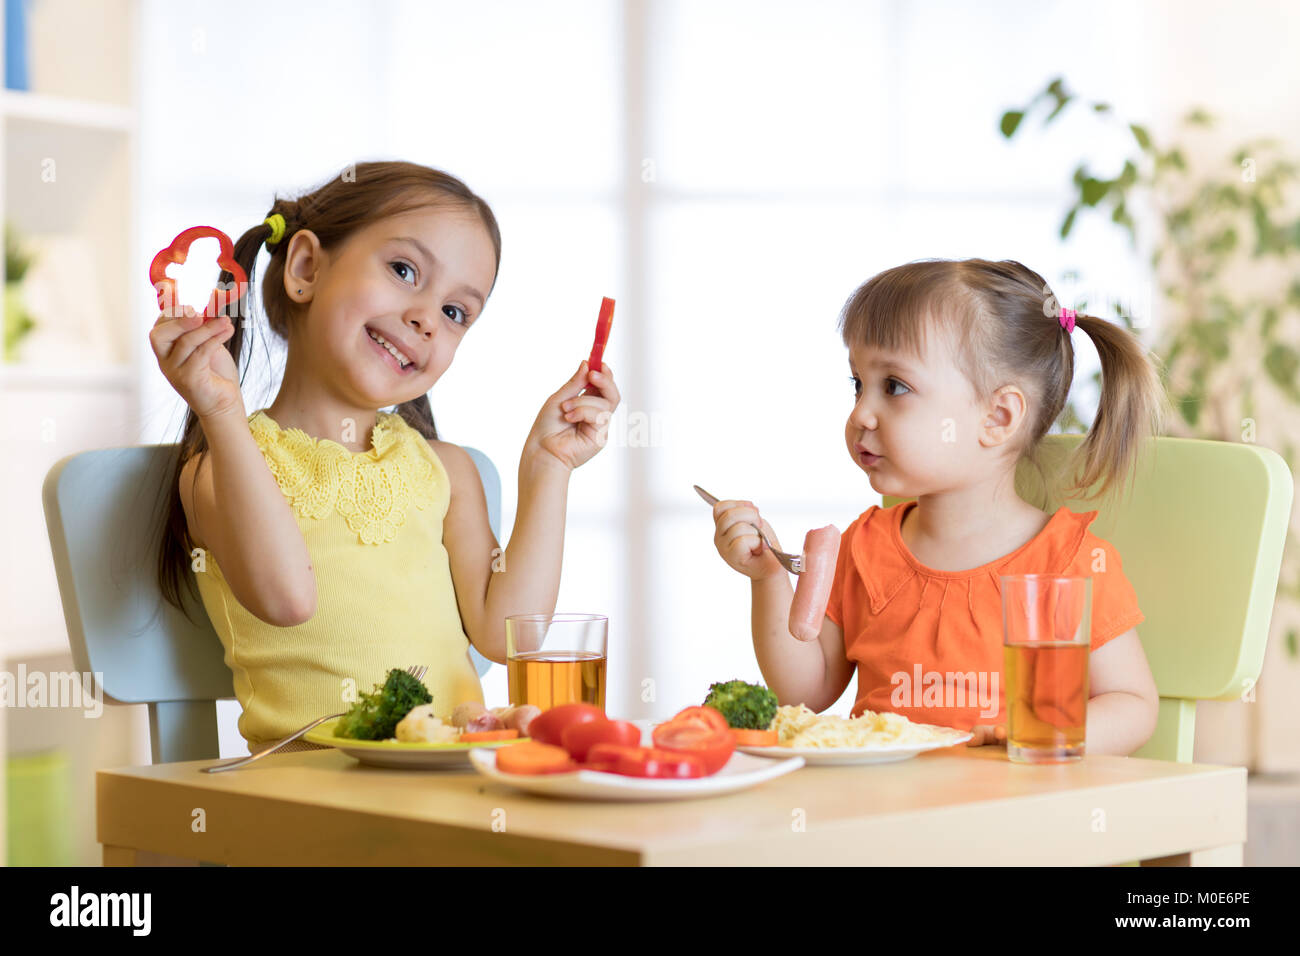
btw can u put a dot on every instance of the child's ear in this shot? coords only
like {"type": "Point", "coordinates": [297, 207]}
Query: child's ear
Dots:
{"type": "Point", "coordinates": [1007, 414]}
{"type": "Point", "coordinates": [302, 265]}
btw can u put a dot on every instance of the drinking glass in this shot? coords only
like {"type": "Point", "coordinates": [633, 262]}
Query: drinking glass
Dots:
{"type": "Point", "coordinates": [554, 659]}
{"type": "Point", "coordinates": [1046, 628]}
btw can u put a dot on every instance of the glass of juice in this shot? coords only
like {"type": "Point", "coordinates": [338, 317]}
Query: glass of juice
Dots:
{"type": "Point", "coordinates": [554, 659]}
{"type": "Point", "coordinates": [1046, 627]}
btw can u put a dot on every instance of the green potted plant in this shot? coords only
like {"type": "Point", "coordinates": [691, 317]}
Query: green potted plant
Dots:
{"type": "Point", "coordinates": [1224, 260]}
{"type": "Point", "coordinates": [17, 322]}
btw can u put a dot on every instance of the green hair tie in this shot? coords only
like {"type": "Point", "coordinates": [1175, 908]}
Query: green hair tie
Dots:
{"type": "Point", "coordinates": [276, 222]}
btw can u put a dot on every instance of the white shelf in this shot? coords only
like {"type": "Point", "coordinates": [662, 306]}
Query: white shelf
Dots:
{"type": "Point", "coordinates": [20, 105]}
{"type": "Point", "coordinates": [117, 377]}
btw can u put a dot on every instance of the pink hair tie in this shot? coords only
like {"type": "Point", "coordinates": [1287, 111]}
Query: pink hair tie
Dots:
{"type": "Point", "coordinates": [1067, 319]}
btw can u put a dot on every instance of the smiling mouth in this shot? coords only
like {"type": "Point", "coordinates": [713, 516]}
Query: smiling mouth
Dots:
{"type": "Point", "coordinates": [387, 354]}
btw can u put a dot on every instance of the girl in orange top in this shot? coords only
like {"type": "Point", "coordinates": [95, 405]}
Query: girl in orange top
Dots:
{"type": "Point", "coordinates": [959, 369]}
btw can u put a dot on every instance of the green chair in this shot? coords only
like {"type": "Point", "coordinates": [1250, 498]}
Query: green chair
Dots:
{"type": "Point", "coordinates": [102, 510]}
{"type": "Point", "coordinates": [1200, 531]}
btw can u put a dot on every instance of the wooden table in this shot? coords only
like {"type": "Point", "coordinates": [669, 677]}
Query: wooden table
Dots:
{"type": "Point", "coordinates": [947, 807]}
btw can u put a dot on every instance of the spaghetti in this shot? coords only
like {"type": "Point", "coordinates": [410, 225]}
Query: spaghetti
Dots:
{"type": "Point", "coordinates": [800, 727]}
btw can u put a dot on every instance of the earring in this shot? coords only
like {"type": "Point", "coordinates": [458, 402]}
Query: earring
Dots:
{"type": "Point", "coordinates": [300, 291]}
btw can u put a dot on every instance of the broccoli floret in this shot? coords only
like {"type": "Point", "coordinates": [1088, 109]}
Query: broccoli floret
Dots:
{"type": "Point", "coordinates": [746, 706]}
{"type": "Point", "coordinates": [375, 716]}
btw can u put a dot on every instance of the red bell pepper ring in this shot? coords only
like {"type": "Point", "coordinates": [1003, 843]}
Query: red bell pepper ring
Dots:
{"type": "Point", "coordinates": [603, 323]}
{"type": "Point", "coordinates": [165, 285]}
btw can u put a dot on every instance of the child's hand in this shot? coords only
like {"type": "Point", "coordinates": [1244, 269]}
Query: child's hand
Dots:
{"type": "Point", "coordinates": [193, 359]}
{"type": "Point", "coordinates": [737, 540]}
{"type": "Point", "coordinates": [988, 734]}
{"type": "Point", "coordinates": [571, 428]}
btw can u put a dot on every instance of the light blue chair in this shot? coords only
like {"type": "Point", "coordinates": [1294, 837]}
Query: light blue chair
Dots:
{"type": "Point", "coordinates": [103, 515]}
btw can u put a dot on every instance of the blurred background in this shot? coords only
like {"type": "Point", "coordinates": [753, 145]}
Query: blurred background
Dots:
{"type": "Point", "coordinates": [729, 172]}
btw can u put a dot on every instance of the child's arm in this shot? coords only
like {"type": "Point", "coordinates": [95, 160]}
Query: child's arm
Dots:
{"type": "Point", "coordinates": [235, 510]}
{"type": "Point", "coordinates": [525, 578]}
{"type": "Point", "coordinates": [530, 566]}
{"type": "Point", "coordinates": [1123, 703]}
{"type": "Point", "coordinates": [813, 673]}
{"type": "Point", "coordinates": [798, 672]}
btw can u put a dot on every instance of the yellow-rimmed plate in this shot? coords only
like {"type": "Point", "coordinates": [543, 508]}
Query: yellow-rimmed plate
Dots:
{"type": "Point", "coordinates": [402, 754]}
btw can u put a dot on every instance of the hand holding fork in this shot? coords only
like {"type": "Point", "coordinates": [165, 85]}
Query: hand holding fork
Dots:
{"type": "Point", "coordinates": [742, 536]}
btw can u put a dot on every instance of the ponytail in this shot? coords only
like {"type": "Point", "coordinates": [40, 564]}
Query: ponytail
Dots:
{"type": "Point", "coordinates": [1134, 405]}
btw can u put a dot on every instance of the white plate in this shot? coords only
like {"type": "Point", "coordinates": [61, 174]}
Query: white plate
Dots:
{"type": "Point", "coordinates": [740, 773]}
{"type": "Point", "coordinates": [843, 756]}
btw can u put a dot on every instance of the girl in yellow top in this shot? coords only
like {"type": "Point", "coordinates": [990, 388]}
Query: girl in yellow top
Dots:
{"type": "Point", "coordinates": [331, 541]}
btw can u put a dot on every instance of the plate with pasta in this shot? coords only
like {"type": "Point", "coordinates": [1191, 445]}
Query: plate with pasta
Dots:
{"type": "Point", "coordinates": [871, 738]}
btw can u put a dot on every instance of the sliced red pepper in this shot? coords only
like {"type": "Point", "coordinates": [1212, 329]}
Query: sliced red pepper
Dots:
{"type": "Point", "coordinates": [165, 285]}
{"type": "Point", "coordinates": [603, 323]}
{"type": "Point", "coordinates": [646, 762]}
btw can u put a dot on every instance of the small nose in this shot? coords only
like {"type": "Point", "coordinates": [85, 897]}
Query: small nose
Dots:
{"type": "Point", "coordinates": [863, 417]}
{"type": "Point", "coordinates": [419, 321]}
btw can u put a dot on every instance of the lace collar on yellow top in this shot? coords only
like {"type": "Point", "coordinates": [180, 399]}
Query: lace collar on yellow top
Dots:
{"type": "Point", "coordinates": [373, 490]}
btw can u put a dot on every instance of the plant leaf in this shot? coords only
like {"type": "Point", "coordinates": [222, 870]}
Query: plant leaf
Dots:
{"type": "Point", "coordinates": [1069, 222]}
{"type": "Point", "coordinates": [1282, 362]}
{"type": "Point", "coordinates": [1093, 190]}
{"type": "Point", "coordinates": [1142, 136]}
{"type": "Point", "coordinates": [1010, 121]}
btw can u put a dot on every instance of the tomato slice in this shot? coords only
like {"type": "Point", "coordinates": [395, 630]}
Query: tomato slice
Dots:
{"type": "Point", "coordinates": [700, 731]}
{"type": "Point", "coordinates": [646, 761]}
{"type": "Point", "coordinates": [548, 726]}
{"type": "Point", "coordinates": [530, 757]}
{"type": "Point", "coordinates": [577, 739]}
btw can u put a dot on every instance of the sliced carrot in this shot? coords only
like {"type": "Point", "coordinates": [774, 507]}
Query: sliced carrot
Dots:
{"type": "Point", "coordinates": [754, 738]}
{"type": "Point", "coordinates": [481, 735]}
{"type": "Point", "coordinates": [530, 757]}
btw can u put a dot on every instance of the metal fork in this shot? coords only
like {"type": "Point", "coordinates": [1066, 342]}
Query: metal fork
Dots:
{"type": "Point", "coordinates": [791, 562]}
{"type": "Point", "coordinates": [416, 670]}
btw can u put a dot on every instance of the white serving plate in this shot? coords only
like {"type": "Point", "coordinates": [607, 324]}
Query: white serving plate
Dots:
{"type": "Point", "coordinates": [741, 772]}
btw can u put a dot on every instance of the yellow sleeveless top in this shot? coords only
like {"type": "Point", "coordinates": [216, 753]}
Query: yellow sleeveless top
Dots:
{"type": "Point", "coordinates": [372, 522]}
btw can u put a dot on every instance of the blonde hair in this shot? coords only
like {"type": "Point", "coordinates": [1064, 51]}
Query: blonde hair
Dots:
{"type": "Point", "coordinates": [1001, 321]}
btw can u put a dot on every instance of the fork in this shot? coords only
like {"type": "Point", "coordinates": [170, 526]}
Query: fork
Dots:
{"type": "Point", "coordinates": [791, 562]}
{"type": "Point", "coordinates": [416, 670]}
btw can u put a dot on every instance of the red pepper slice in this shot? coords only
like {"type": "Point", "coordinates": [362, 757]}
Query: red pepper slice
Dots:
{"type": "Point", "coordinates": [644, 762]}
{"type": "Point", "coordinates": [603, 323]}
{"type": "Point", "coordinates": [165, 285]}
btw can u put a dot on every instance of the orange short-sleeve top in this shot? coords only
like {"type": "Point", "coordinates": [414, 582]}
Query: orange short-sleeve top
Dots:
{"type": "Point", "coordinates": [908, 625]}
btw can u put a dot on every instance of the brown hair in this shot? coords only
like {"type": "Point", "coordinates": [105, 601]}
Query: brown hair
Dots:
{"type": "Point", "coordinates": [360, 195]}
{"type": "Point", "coordinates": [1002, 323]}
